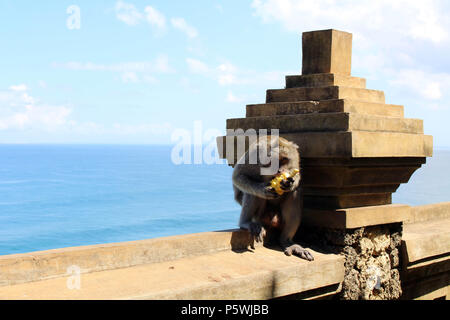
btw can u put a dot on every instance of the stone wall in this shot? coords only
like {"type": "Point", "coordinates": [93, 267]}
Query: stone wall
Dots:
{"type": "Point", "coordinates": [371, 259]}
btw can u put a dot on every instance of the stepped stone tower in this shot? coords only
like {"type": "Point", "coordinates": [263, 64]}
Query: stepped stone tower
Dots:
{"type": "Point", "coordinates": [355, 152]}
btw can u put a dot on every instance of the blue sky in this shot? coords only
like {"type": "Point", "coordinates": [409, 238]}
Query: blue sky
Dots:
{"type": "Point", "coordinates": [137, 70]}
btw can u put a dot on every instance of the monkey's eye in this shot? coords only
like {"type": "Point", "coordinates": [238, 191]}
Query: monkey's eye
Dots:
{"type": "Point", "coordinates": [284, 161]}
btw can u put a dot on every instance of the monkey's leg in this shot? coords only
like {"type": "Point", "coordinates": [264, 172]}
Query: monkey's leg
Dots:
{"type": "Point", "coordinates": [291, 214]}
{"type": "Point", "coordinates": [251, 208]}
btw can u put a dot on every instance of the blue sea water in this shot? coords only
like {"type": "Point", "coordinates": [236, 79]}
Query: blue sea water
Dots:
{"type": "Point", "coordinates": [54, 196]}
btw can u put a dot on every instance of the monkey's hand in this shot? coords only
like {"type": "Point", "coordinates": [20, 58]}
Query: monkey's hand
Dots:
{"type": "Point", "coordinates": [270, 193]}
{"type": "Point", "coordinates": [288, 184]}
{"type": "Point", "coordinates": [257, 231]}
{"type": "Point", "coordinates": [291, 182]}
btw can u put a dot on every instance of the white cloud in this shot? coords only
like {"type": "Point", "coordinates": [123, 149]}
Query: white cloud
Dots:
{"type": "Point", "coordinates": [130, 77]}
{"type": "Point", "coordinates": [130, 71]}
{"type": "Point", "coordinates": [42, 84]}
{"type": "Point", "coordinates": [430, 86]}
{"type": "Point", "coordinates": [227, 74]}
{"type": "Point", "coordinates": [19, 87]}
{"type": "Point", "coordinates": [19, 110]}
{"type": "Point", "coordinates": [197, 66]}
{"type": "Point", "coordinates": [162, 64]}
{"type": "Point", "coordinates": [418, 19]}
{"type": "Point", "coordinates": [182, 25]}
{"type": "Point", "coordinates": [219, 7]}
{"type": "Point", "coordinates": [142, 128]}
{"type": "Point", "coordinates": [224, 74]}
{"type": "Point", "coordinates": [127, 12]}
{"type": "Point", "coordinates": [233, 99]}
{"type": "Point", "coordinates": [403, 43]}
{"type": "Point", "coordinates": [155, 18]}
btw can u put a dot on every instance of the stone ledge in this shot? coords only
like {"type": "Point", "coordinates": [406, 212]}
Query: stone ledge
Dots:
{"type": "Point", "coordinates": [35, 266]}
{"type": "Point", "coordinates": [428, 288]}
{"type": "Point", "coordinates": [429, 212]}
{"type": "Point", "coordinates": [356, 217]}
{"type": "Point", "coordinates": [324, 106]}
{"type": "Point", "coordinates": [425, 240]}
{"type": "Point", "coordinates": [356, 144]}
{"type": "Point", "coordinates": [390, 144]}
{"type": "Point", "coordinates": [324, 93]}
{"type": "Point", "coordinates": [325, 122]}
{"type": "Point", "coordinates": [260, 274]}
{"type": "Point", "coordinates": [324, 80]}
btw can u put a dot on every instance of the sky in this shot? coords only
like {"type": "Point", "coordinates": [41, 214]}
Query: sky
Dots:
{"type": "Point", "coordinates": [133, 72]}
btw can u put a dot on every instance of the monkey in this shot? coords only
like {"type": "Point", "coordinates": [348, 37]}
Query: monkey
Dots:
{"type": "Point", "coordinates": [262, 207]}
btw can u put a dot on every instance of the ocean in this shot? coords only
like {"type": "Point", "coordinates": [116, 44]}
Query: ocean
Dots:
{"type": "Point", "coordinates": [54, 196]}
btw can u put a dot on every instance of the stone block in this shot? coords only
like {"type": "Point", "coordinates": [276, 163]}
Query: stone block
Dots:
{"type": "Point", "coordinates": [324, 93]}
{"type": "Point", "coordinates": [356, 144]}
{"type": "Point", "coordinates": [324, 106]}
{"type": "Point", "coordinates": [224, 275]}
{"type": "Point", "coordinates": [324, 80]}
{"type": "Point", "coordinates": [390, 144]}
{"type": "Point", "coordinates": [323, 122]}
{"type": "Point", "coordinates": [429, 212]}
{"type": "Point", "coordinates": [351, 218]}
{"type": "Point", "coordinates": [426, 239]}
{"type": "Point", "coordinates": [327, 51]}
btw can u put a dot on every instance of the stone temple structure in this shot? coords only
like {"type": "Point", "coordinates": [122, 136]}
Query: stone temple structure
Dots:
{"type": "Point", "coordinates": [355, 152]}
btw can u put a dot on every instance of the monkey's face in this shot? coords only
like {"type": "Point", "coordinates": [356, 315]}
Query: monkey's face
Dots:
{"type": "Point", "coordinates": [287, 163]}
{"type": "Point", "coordinates": [284, 161]}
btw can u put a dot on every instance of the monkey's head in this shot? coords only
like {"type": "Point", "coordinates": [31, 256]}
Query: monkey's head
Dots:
{"type": "Point", "coordinates": [283, 152]}
{"type": "Point", "coordinates": [286, 152]}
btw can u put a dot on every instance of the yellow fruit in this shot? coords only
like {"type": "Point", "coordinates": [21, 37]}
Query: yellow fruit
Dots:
{"type": "Point", "coordinates": [276, 182]}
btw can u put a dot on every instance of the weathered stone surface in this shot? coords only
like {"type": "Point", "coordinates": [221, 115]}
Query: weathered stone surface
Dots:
{"type": "Point", "coordinates": [425, 268]}
{"type": "Point", "coordinates": [34, 266]}
{"type": "Point", "coordinates": [351, 287]}
{"type": "Point", "coordinates": [390, 144]}
{"type": "Point", "coordinates": [347, 200]}
{"type": "Point", "coordinates": [371, 265]}
{"type": "Point", "coordinates": [363, 178]}
{"type": "Point", "coordinates": [357, 217]}
{"type": "Point", "coordinates": [327, 51]}
{"type": "Point", "coordinates": [262, 274]}
{"type": "Point", "coordinates": [324, 80]}
{"type": "Point", "coordinates": [428, 288]}
{"type": "Point", "coordinates": [426, 239]}
{"type": "Point", "coordinates": [356, 144]}
{"type": "Point", "coordinates": [328, 122]}
{"type": "Point", "coordinates": [429, 212]}
{"type": "Point", "coordinates": [324, 93]}
{"type": "Point", "coordinates": [324, 106]}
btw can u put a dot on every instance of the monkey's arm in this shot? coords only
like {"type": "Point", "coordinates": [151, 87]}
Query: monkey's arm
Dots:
{"type": "Point", "coordinates": [243, 181]}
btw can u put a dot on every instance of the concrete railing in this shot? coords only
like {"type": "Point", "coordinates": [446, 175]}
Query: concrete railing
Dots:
{"type": "Point", "coordinates": [225, 265]}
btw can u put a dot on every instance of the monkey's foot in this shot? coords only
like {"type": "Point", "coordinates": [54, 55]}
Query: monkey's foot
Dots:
{"type": "Point", "coordinates": [299, 251]}
{"type": "Point", "coordinates": [257, 231]}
